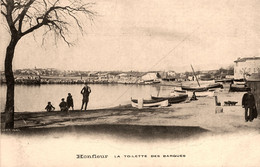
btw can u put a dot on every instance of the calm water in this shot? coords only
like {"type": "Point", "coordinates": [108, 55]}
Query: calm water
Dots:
{"type": "Point", "coordinates": [35, 98]}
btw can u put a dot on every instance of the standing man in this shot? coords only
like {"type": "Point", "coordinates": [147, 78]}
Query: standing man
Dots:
{"type": "Point", "coordinates": [248, 102]}
{"type": "Point", "coordinates": [70, 101]}
{"type": "Point", "coordinates": [85, 92]}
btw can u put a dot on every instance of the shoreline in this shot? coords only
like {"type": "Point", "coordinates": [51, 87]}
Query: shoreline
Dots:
{"type": "Point", "coordinates": [184, 120]}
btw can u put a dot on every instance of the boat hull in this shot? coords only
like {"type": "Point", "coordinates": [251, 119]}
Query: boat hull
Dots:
{"type": "Point", "coordinates": [224, 80]}
{"type": "Point", "coordinates": [173, 99]}
{"type": "Point", "coordinates": [198, 94]}
{"type": "Point", "coordinates": [150, 103]}
{"type": "Point", "coordinates": [239, 82]}
{"type": "Point", "coordinates": [239, 88]}
{"type": "Point", "coordinates": [202, 89]}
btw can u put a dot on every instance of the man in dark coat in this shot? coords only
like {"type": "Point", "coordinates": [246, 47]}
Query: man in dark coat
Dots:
{"type": "Point", "coordinates": [248, 102]}
{"type": "Point", "coordinates": [85, 92]}
{"type": "Point", "coordinates": [70, 101]}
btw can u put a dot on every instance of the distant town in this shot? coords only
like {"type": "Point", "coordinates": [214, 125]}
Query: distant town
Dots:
{"type": "Point", "coordinates": [55, 76]}
{"type": "Point", "coordinates": [240, 70]}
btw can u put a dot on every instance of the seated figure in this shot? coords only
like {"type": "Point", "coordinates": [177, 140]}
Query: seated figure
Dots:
{"type": "Point", "coordinates": [63, 105]}
{"type": "Point", "coordinates": [193, 97]}
{"type": "Point", "coordinates": [49, 107]}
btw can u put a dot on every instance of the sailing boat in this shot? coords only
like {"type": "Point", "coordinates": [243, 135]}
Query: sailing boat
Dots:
{"type": "Point", "coordinates": [172, 98]}
{"type": "Point", "coordinates": [201, 88]}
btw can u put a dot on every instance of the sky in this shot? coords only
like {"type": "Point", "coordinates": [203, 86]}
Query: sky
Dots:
{"type": "Point", "coordinates": [147, 35]}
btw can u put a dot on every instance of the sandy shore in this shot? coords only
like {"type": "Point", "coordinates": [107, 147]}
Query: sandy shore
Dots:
{"type": "Point", "coordinates": [188, 118]}
{"type": "Point", "coordinates": [123, 134]}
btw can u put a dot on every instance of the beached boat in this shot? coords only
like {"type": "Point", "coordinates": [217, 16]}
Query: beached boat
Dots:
{"type": "Point", "coordinates": [151, 103]}
{"type": "Point", "coordinates": [202, 88]}
{"type": "Point", "coordinates": [225, 80]}
{"type": "Point", "coordinates": [238, 88]}
{"type": "Point", "coordinates": [208, 93]}
{"type": "Point", "coordinates": [177, 92]}
{"type": "Point", "coordinates": [172, 99]}
{"type": "Point", "coordinates": [214, 85]}
{"type": "Point", "coordinates": [206, 79]}
{"type": "Point", "coordinates": [239, 82]}
{"type": "Point", "coordinates": [194, 88]}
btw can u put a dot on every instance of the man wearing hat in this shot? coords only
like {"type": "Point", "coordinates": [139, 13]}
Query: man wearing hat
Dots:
{"type": "Point", "coordinates": [248, 102]}
{"type": "Point", "coordinates": [85, 92]}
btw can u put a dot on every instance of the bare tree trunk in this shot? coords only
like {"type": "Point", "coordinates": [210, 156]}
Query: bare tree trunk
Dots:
{"type": "Point", "coordinates": [9, 107]}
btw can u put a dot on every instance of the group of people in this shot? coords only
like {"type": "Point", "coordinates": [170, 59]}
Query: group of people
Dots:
{"type": "Point", "coordinates": [66, 105]}
{"type": "Point", "coordinates": [248, 102]}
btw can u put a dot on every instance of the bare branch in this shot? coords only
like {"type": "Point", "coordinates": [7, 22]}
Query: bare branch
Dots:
{"type": "Point", "coordinates": [45, 4]}
{"type": "Point", "coordinates": [3, 3]}
{"type": "Point", "coordinates": [5, 15]}
{"type": "Point", "coordinates": [58, 16]}
{"type": "Point", "coordinates": [21, 16]}
{"type": "Point", "coordinates": [32, 29]}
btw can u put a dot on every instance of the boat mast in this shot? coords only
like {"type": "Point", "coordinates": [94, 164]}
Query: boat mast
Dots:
{"type": "Point", "coordinates": [195, 75]}
{"type": "Point", "coordinates": [158, 93]}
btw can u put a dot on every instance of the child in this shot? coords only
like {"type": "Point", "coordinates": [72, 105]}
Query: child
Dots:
{"type": "Point", "coordinates": [49, 107]}
{"type": "Point", "coordinates": [70, 101]}
{"type": "Point", "coordinates": [63, 105]}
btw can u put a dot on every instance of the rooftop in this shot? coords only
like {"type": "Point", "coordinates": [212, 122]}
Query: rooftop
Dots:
{"type": "Point", "coordinates": [246, 58]}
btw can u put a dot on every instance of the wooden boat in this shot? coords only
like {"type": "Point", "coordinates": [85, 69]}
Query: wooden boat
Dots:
{"type": "Point", "coordinates": [239, 82]}
{"type": "Point", "coordinates": [225, 80]}
{"type": "Point", "coordinates": [202, 88]}
{"type": "Point", "coordinates": [178, 92]}
{"type": "Point", "coordinates": [151, 103]}
{"type": "Point", "coordinates": [215, 85]}
{"type": "Point", "coordinates": [198, 89]}
{"type": "Point", "coordinates": [208, 93]}
{"type": "Point", "coordinates": [206, 79]}
{"type": "Point", "coordinates": [238, 88]}
{"type": "Point", "coordinates": [172, 99]}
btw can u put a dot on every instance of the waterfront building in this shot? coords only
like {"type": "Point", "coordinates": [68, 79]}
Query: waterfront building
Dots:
{"type": "Point", "coordinates": [150, 76]}
{"type": "Point", "coordinates": [245, 67]}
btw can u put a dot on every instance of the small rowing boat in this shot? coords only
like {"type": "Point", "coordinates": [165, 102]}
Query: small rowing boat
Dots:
{"type": "Point", "coordinates": [238, 88]}
{"type": "Point", "coordinates": [150, 103]}
{"type": "Point", "coordinates": [239, 82]}
{"type": "Point", "coordinates": [172, 99]}
{"type": "Point", "coordinates": [202, 88]}
{"type": "Point", "coordinates": [208, 93]}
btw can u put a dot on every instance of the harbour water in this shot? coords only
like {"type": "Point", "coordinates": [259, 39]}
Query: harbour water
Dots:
{"type": "Point", "coordinates": [35, 98]}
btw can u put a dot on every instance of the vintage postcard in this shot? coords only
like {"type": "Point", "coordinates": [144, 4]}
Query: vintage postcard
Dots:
{"type": "Point", "coordinates": [130, 83]}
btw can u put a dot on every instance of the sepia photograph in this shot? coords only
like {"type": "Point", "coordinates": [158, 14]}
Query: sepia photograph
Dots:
{"type": "Point", "coordinates": [130, 83]}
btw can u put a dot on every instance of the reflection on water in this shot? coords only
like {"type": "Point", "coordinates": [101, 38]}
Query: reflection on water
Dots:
{"type": "Point", "coordinates": [35, 98]}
